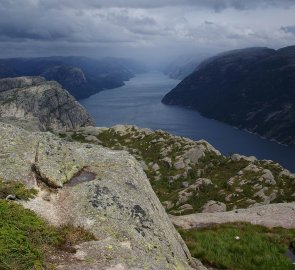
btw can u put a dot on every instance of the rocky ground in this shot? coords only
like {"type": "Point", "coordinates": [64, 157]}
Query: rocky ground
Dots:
{"type": "Point", "coordinates": [273, 215]}
{"type": "Point", "coordinates": [192, 176]}
{"type": "Point", "coordinates": [37, 104]}
{"type": "Point", "coordinates": [103, 181]}
{"type": "Point", "coordinates": [104, 191]}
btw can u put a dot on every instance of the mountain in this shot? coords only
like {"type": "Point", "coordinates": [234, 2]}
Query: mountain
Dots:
{"type": "Point", "coordinates": [183, 66]}
{"type": "Point", "coordinates": [81, 76]}
{"type": "Point", "coordinates": [38, 104]}
{"type": "Point", "coordinates": [252, 89]}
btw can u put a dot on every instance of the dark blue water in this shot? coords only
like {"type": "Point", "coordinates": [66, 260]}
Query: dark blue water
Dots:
{"type": "Point", "coordinates": [139, 103]}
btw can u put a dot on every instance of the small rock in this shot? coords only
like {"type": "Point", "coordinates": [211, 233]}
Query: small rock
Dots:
{"type": "Point", "coordinates": [91, 138]}
{"type": "Point", "coordinates": [237, 157]}
{"type": "Point", "coordinates": [167, 162]}
{"type": "Point", "coordinates": [168, 205]}
{"type": "Point", "coordinates": [186, 207]}
{"type": "Point", "coordinates": [268, 177]}
{"type": "Point", "coordinates": [185, 184]}
{"type": "Point", "coordinates": [11, 197]}
{"type": "Point", "coordinates": [179, 164]}
{"type": "Point", "coordinates": [155, 167]}
{"type": "Point", "coordinates": [214, 206]}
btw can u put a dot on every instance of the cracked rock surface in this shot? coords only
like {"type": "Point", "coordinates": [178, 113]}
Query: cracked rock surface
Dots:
{"type": "Point", "coordinates": [102, 190]}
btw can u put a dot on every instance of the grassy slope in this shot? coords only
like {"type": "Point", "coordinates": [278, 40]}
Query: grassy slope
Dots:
{"type": "Point", "coordinates": [258, 248]}
{"type": "Point", "coordinates": [25, 239]}
{"type": "Point", "coordinates": [218, 169]}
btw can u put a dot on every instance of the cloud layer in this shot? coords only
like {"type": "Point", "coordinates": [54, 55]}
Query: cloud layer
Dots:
{"type": "Point", "coordinates": [142, 28]}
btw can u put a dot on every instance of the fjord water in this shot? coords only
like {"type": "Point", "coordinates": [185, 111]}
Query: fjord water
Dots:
{"type": "Point", "coordinates": [139, 103]}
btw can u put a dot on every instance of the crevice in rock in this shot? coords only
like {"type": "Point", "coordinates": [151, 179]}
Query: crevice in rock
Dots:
{"type": "Point", "coordinates": [38, 175]}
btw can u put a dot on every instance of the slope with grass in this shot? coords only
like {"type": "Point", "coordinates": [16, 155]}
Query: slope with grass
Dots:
{"type": "Point", "coordinates": [187, 174]}
{"type": "Point", "coordinates": [241, 246]}
{"type": "Point", "coordinates": [26, 240]}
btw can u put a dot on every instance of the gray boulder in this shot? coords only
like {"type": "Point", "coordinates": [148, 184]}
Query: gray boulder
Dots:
{"type": "Point", "coordinates": [214, 206]}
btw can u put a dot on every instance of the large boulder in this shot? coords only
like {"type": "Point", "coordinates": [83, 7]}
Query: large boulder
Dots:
{"type": "Point", "coordinates": [104, 191]}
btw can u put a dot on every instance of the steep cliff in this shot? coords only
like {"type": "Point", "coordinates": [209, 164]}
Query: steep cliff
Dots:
{"type": "Point", "coordinates": [253, 89]}
{"type": "Point", "coordinates": [106, 192]}
{"type": "Point", "coordinates": [36, 104]}
{"type": "Point", "coordinates": [81, 76]}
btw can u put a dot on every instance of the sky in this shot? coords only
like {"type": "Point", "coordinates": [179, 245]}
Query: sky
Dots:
{"type": "Point", "coordinates": [150, 30]}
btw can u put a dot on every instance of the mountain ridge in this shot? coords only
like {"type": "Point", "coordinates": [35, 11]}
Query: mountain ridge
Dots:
{"type": "Point", "coordinates": [252, 89]}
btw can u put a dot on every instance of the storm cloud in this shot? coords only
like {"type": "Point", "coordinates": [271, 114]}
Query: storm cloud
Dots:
{"type": "Point", "coordinates": [146, 29]}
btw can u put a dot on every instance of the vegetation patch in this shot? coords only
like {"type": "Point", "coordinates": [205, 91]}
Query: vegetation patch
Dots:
{"type": "Point", "coordinates": [236, 183]}
{"type": "Point", "coordinates": [241, 246]}
{"type": "Point", "coordinates": [17, 189]}
{"type": "Point", "coordinates": [27, 241]}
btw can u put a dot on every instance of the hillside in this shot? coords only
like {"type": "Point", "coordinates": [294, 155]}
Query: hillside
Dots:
{"type": "Point", "coordinates": [252, 89]}
{"type": "Point", "coordinates": [192, 176]}
{"type": "Point", "coordinates": [81, 76]}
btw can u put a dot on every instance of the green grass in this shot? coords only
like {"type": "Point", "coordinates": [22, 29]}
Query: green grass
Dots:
{"type": "Point", "coordinates": [26, 239]}
{"type": "Point", "coordinates": [17, 189]}
{"type": "Point", "coordinates": [259, 248]}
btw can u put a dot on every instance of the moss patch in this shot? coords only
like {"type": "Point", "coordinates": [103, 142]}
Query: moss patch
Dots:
{"type": "Point", "coordinates": [17, 189]}
{"type": "Point", "coordinates": [27, 241]}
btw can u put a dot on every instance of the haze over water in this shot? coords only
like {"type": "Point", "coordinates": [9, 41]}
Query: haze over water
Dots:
{"type": "Point", "coordinates": [139, 103]}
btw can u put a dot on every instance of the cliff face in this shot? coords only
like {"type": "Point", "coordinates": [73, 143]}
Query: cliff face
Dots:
{"type": "Point", "coordinates": [36, 104]}
{"type": "Point", "coordinates": [81, 76]}
{"type": "Point", "coordinates": [252, 89]}
{"type": "Point", "coordinates": [104, 191]}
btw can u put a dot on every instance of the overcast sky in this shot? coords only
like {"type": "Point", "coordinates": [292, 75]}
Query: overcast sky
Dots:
{"type": "Point", "coordinates": [149, 29]}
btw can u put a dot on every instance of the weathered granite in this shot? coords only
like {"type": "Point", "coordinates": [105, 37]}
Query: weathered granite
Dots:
{"type": "Point", "coordinates": [34, 103]}
{"type": "Point", "coordinates": [102, 190]}
{"type": "Point", "coordinates": [272, 215]}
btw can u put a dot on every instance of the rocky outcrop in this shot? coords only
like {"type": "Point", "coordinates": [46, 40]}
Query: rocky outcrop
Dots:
{"type": "Point", "coordinates": [187, 174]}
{"type": "Point", "coordinates": [274, 215]}
{"type": "Point", "coordinates": [35, 103]}
{"type": "Point", "coordinates": [251, 89]}
{"type": "Point", "coordinates": [102, 190]}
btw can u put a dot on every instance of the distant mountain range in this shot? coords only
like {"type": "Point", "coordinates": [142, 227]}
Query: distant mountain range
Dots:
{"type": "Point", "coordinates": [253, 89]}
{"type": "Point", "coordinates": [81, 76]}
{"type": "Point", "coordinates": [183, 66]}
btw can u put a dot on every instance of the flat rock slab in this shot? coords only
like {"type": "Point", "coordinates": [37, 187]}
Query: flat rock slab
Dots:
{"type": "Point", "coordinates": [273, 215]}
